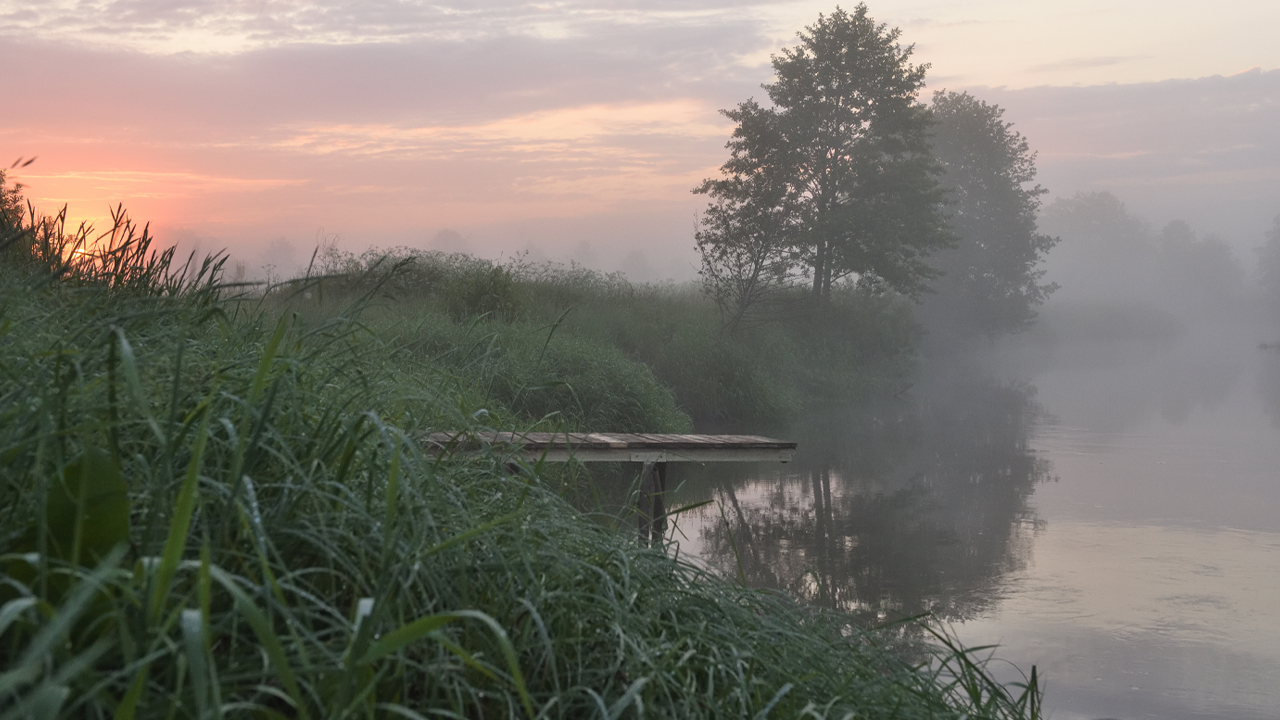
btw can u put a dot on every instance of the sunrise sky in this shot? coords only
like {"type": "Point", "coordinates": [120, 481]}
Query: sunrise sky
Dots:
{"type": "Point", "coordinates": [576, 129]}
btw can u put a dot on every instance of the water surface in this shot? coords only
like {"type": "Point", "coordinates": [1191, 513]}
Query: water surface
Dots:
{"type": "Point", "coordinates": [1107, 512]}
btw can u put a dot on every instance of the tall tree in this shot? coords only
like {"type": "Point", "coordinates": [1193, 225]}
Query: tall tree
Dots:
{"type": "Point", "coordinates": [835, 179]}
{"type": "Point", "coordinates": [743, 263]}
{"type": "Point", "coordinates": [1202, 270]}
{"type": "Point", "coordinates": [1109, 256]}
{"type": "Point", "coordinates": [991, 283]}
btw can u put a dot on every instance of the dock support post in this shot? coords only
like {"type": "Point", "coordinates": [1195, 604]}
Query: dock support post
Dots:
{"type": "Point", "coordinates": [651, 505]}
{"type": "Point", "coordinates": [660, 504]}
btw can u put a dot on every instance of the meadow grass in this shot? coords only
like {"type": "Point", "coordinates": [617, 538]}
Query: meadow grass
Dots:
{"type": "Point", "coordinates": [215, 505]}
{"type": "Point", "coordinates": [856, 346]}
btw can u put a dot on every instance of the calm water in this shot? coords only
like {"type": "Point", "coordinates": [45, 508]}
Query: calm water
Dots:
{"type": "Point", "coordinates": [1109, 513]}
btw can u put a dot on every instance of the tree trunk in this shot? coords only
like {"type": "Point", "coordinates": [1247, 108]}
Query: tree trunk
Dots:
{"type": "Point", "coordinates": [819, 265]}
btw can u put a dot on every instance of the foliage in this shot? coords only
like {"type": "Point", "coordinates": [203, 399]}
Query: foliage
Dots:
{"type": "Point", "coordinates": [123, 257]}
{"type": "Point", "coordinates": [11, 209]}
{"type": "Point", "coordinates": [529, 373]}
{"type": "Point", "coordinates": [465, 285]}
{"type": "Point", "coordinates": [1205, 266]}
{"type": "Point", "coordinates": [478, 324]}
{"type": "Point", "coordinates": [745, 266]}
{"type": "Point", "coordinates": [1096, 218]}
{"type": "Point", "coordinates": [990, 282]}
{"type": "Point", "coordinates": [292, 552]}
{"type": "Point", "coordinates": [1109, 255]}
{"type": "Point", "coordinates": [835, 179]}
{"type": "Point", "coordinates": [600, 353]}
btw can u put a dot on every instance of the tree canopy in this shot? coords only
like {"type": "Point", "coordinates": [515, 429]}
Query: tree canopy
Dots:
{"type": "Point", "coordinates": [1110, 256]}
{"type": "Point", "coordinates": [990, 282]}
{"type": "Point", "coordinates": [835, 179]}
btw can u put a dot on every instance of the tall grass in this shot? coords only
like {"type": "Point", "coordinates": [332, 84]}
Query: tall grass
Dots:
{"type": "Point", "coordinates": [856, 346]}
{"type": "Point", "coordinates": [214, 509]}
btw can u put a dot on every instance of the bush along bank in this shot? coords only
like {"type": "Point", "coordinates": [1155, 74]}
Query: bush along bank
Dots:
{"type": "Point", "coordinates": [581, 327]}
{"type": "Point", "coordinates": [211, 509]}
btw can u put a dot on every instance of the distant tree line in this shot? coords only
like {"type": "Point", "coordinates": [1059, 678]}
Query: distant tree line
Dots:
{"type": "Point", "coordinates": [1269, 263]}
{"type": "Point", "coordinates": [1111, 256]}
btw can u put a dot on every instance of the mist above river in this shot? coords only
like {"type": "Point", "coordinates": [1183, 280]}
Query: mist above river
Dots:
{"type": "Point", "coordinates": [1098, 495]}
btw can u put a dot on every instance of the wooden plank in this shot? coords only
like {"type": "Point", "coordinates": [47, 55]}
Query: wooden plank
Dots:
{"type": "Point", "coordinates": [622, 447]}
{"type": "Point", "coordinates": [636, 455]}
{"type": "Point", "coordinates": [612, 440]}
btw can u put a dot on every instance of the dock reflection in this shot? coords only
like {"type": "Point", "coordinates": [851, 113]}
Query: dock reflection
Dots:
{"type": "Point", "coordinates": [892, 511]}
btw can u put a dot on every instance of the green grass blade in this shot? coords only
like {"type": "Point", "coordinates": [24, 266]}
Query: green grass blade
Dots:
{"type": "Point", "coordinates": [59, 627]}
{"type": "Point", "coordinates": [265, 362]}
{"type": "Point", "coordinates": [193, 642]}
{"type": "Point", "coordinates": [133, 381]}
{"type": "Point", "coordinates": [402, 637]}
{"type": "Point", "coordinates": [631, 696]}
{"type": "Point", "coordinates": [13, 609]}
{"type": "Point", "coordinates": [266, 635]}
{"type": "Point", "coordinates": [129, 703]}
{"type": "Point", "coordinates": [179, 527]}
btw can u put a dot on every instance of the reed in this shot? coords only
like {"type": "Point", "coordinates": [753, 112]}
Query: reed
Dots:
{"type": "Point", "coordinates": [856, 346]}
{"type": "Point", "coordinates": [212, 508]}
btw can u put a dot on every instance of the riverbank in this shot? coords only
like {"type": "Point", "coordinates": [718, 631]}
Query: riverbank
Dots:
{"type": "Point", "coordinates": [553, 343]}
{"type": "Point", "coordinates": [213, 507]}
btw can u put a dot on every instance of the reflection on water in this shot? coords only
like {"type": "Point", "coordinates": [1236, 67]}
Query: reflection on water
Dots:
{"type": "Point", "coordinates": [898, 510]}
{"type": "Point", "coordinates": [1269, 384]}
{"type": "Point", "coordinates": [1114, 519]}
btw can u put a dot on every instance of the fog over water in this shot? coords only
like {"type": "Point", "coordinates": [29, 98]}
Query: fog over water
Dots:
{"type": "Point", "coordinates": [1099, 495]}
{"type": "Point", "coordinates": [1111, 519]}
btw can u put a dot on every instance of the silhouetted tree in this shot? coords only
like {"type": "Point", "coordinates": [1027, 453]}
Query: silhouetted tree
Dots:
{"type": "Point", "coordinates": [991, 283]}
{"type": "Point", "coordinates": [744, 263]}
{"type": "Point", "coordinates": [1096, 221]}
{"type": "Point", "coordinates": [1203, 270]}
{"type": "Point", "coordinates": [1108, 255]}
{"type": "Point", "coordinates": [1105, 252]}
{"type": "Point", "coordinates": [835, 179]}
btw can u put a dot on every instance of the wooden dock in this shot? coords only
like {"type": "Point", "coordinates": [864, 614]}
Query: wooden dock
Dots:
{"type": "Point", "coordinates": [654, 450]}
{"type": "Point", "coordinates": [620, 447]}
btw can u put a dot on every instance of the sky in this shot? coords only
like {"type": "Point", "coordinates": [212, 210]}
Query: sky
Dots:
{"type": "Point", "coordinates": [575, 130]}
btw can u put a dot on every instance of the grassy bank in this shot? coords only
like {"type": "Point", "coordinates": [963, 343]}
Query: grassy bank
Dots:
{"type": "Point", "coordinates": [620, 353]}
{"type": "Point", "coordinates": [213, 508]}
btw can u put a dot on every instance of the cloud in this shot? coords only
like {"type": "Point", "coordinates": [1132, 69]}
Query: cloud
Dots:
{"type": "Point", "coordinates": [565, 132]}
{"type": "Point", "coordinates": [159, 184]}
{"type": "Point", "coordinates": [1087, 62]}
{"type": "Point", "coordinates": [1204, 150]}
{"type": "Point", "coordinates": [441, 129]}
{"type": "Point", "coordinates": [386, 120]}
{"type": "Point", "coordinates": [236, 26]}
{"type": "Point", "coordinates": [929, 22]}
{"type": "Point", "coordinates": [436, 81]}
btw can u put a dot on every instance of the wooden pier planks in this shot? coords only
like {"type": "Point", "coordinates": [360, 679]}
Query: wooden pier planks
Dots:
{"type": "Point", "coordinates": [622, 447]}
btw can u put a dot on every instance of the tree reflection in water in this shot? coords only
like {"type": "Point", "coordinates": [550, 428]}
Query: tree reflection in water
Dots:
{"type": "Point", "coordinates": [1269, 382]}
{"type": "Point", "coordinates": [916, 506]}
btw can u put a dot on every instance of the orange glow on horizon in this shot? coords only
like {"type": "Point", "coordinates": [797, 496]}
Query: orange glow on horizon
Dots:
{"type": "Point", "coordinates": [563, 162]}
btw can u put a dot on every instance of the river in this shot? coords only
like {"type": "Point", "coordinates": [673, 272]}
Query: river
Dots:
{"type": "Point", "coordinates": [1108, 511]}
